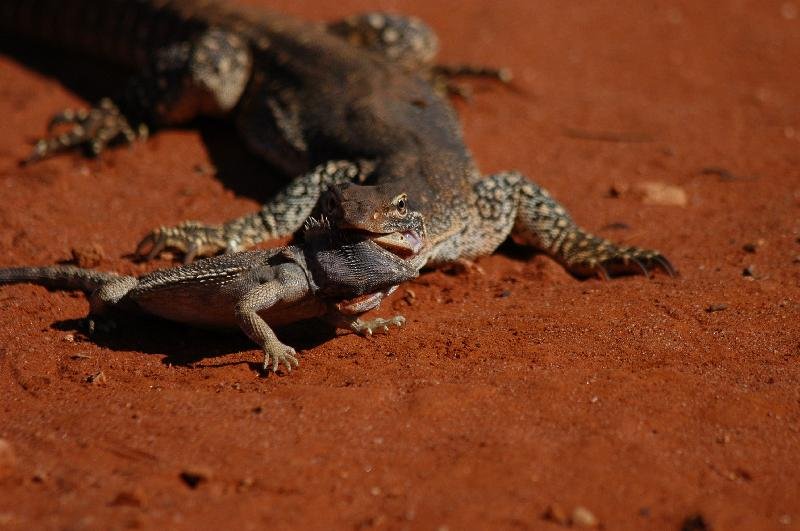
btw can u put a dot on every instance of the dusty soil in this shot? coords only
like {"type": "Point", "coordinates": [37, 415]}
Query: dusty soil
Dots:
{"type": "Point", "coordinates": [513, 396]}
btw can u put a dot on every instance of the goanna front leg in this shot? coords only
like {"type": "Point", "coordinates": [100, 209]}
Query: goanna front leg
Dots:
{"type": "Point", "coordinates": [204, 77]}
{"type": "Point", "coordinates": [92, 129]}
{"type": "Point", "coordinates": [508, 202]}
{"type": "Point", "coordinates": [281, 216]}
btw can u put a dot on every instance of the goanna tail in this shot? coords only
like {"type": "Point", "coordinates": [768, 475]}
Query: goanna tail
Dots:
{"type": "Point", "coordinates": [58, 277]}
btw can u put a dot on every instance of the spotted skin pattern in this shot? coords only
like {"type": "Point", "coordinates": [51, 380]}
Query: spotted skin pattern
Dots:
{"type": "Point", "coordinates": [359, 99]}
{"type": "Point", "coordinates": [409, 42]}
{"type": "Point", "coordinates": [402, 39]}
{"type": "Point", "coordinates": [276, 219]}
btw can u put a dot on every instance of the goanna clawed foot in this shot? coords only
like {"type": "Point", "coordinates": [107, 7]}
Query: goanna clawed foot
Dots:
{"type": "Point", "coordinates": [92, 129]}
{"type": "Point", "coordinates": [282, 354]}
{"type": "Point", "coordinates": [378, 325]}
{"type": "Point", "coordinates": [607, 260]}
{"type": "Point", "coordinates": [190, 237]}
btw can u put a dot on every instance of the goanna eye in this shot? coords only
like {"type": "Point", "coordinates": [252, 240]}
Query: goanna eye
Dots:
{"type": "Point", "coordinates": [402, 209]}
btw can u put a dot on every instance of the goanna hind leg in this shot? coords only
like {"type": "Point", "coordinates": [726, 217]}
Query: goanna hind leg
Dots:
{"type": "Point", "coordinates": [402, 39]}
{"type": "Point", "coordinates": [541, 222]}
{"type": "Point", "coordinates": [412, 43]}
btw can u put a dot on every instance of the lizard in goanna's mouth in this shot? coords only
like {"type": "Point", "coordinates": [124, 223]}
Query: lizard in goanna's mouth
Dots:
{"type": "Point", "coordinates": [354, 100]}
{"type": "Point", "coordinates": [337, 274]}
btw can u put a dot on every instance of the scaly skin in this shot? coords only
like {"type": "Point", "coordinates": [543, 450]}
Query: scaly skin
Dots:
{"type": "Point", "coordinates": [356, 100]}
{"type": "Point", "coordinates": [336, 275]}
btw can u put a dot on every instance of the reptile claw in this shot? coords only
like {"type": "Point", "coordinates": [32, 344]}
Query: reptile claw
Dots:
{"type": "Point", "coordinates": [664, 264]}
{"type": "Point", "coordinates": [93, 129]}
{"type": "Point", "coordinates": [287, 358]}
{"type": "Point", "coordinates": [625, 262]}
{"type": "Point", "coordinates": [191, 237]}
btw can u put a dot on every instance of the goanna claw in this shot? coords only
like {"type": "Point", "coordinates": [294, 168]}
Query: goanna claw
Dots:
{"type": "Point", "coordinates": [190, 237]}
{"type": "Point", "coordinates": [93, 129]}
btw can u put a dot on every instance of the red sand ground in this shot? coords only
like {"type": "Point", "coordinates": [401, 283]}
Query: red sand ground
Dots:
{"type": "Point", "coordinates": [508, 392]}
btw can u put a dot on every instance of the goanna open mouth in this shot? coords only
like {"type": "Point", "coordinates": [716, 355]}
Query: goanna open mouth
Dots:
{"type": "Point", "coordinates": [405, 244]}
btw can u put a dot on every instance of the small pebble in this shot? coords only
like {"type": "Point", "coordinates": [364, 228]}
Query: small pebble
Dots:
{"type": "Point", "coordinates": [245, 484]}
{"type": "Point", "coordinates": [98, 378]}
{"type": "Point", "coordinates": [749, 271]}
{"type": "Point", "coordinates": [127, 499]}
{"type": "Point", "coordinates": [618, 189]}
{"type": "Point", "coordinates": [583, 517]}
{"type": "Point", "coordinates": [8, 458]}
{"type": "Point", "coordinates": [555, 513]}
{"type": "Point", "coordinates": [717, 307]}
{"type": "Point", "coordinates": [88, 256]}
{"type": "Point", "coordinates": [695, 522]}
{"type": "Point", "coordinates": [194, 476]}
{"type": "Point", "coordinates": [409, 296]}
{"type": "Point", "coordinates": [659, 193]}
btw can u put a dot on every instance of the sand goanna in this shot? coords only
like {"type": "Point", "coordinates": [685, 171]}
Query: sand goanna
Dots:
{"type": "Point", "coordinates": [358, 99]}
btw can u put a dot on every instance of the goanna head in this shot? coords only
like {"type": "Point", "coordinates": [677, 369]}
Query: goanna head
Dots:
{"type": "Point", "coordinates": [387, 220]}
{"type": "Point", "coordinates": [348, 261]}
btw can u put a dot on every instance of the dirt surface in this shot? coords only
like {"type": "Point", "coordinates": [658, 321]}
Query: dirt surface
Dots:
{"type": "Point", "coordinates": [513, 396]}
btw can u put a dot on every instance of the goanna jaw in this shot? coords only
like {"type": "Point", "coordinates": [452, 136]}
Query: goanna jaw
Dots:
{"type": "Point", "coordinates": [376, 210]}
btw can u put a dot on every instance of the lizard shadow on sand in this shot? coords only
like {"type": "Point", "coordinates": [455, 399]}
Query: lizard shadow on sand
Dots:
{"type": "Point", "coordinates": [92, 79]}
{"type": "Point", "coordinates": [185, 346]}
{"type": "Point", "coordinates": [237, 168]}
